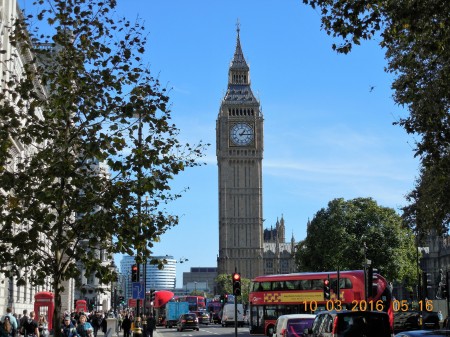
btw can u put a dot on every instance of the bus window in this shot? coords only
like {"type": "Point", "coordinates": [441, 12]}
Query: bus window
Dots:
{"type": "Point", "coordinates": [316, 284]}
{"type": "Point", "coordinates": [292, 285]}
{"type": "Point", "coordinates": [305, 285]}
{"type": "Point", "coordinates": [265, 286]}
{"type": "Point", "coordinates": [270, 312]}
{"type": "Point", "coordinates": [344, 283]}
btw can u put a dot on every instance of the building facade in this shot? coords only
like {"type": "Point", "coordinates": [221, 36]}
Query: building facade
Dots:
{"type": "Point", "coordinates": [279, 255]}
{"type": "Point", "coordinates": [200, 279]}
{"type": "Point", "coordinates": [239, 138]}
{"type": "Point", "coordinates": [12, 61]}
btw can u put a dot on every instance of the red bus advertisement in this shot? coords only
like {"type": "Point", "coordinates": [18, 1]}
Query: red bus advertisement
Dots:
{"type": "Point", "coordinates": [274, 295]}
{"type": "Point", "coordinates": [196, 303]}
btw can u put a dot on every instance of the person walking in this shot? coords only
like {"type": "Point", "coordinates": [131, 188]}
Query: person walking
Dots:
{"type": "Point", "coordinates": [126, 326]}
{"type": "Point", "coordinates": [151, 325]}
{"type": "Point", "coordinates": [96, 322]}
{"type": "Point", "coordinates": [68, 329]}
{"type": "Point", "coordinates": [12, 320]}
{"type": "Point", "coordinates": [84, 329]}
{"type": "Point", "coordinates": [22, 321]}
{"type": "Point", "coordinates": [43, 326]}
{"type": "Point", "coordinates": [6, 329]}
{"type": "Point", "coordinates": [31, 326]}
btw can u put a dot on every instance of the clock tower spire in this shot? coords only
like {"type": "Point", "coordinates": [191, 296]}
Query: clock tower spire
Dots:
{"type": "Point", "coordinates": [239, 149]}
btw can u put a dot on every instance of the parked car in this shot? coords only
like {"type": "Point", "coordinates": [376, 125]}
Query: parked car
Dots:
{"type": "Point", "coordinates": [351, 323]}
{"type": "Point", "coordinates": [426, 333]}
{"type": "Point", "coordinates": [187, 321]}
{"type": "Point", "coordinates": [202, 316]}
{"type": "Point", "coordinates": [293, 325]}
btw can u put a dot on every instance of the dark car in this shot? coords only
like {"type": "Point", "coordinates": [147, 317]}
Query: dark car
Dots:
{"type": "Point", "coordinates": [416, 320]}
{"type": "Point", "coordinates": [427, 333]}
{"type": "Point", "coordinates": [407, 320]}
{"type": "Point", "coordinates": [351, 323]}
{"type": "Point", "coordinates": [187, 321]}
{"type": "Point", "coordinates": [202, 316]}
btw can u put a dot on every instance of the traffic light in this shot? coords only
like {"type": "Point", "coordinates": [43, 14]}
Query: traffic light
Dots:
{"type": "Point", "coordinates": [135, 273]}
{"type": "Point", "coordinates": [236, 284]}
{"type": "Point", "coordinates": [226, 298]}
{"type": "Point", "coordinates": [152, 295]}
{"type": "Point", "coordinates": [222, 299]}
{"type": "Point", "coordinates": [426, 281]}
{"type": "Point", "coordinates": [326, 288]}
{"type": "Point", "coordinates": [445, 290]}
{"type": "Point", "coordinates": [372, 277]}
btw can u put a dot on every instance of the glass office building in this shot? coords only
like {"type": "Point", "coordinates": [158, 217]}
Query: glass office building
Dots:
{"type": "Point", "coordinates": [158, 279]}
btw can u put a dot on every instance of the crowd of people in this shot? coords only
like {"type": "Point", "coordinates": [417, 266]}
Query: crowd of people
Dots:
{"type": "Point", "coordinates": [25, 325]}
{"type": "Point", "coordinates": [73, 324]}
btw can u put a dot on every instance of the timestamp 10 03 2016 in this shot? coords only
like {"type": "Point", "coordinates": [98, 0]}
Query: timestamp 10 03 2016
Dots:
{"type": "Point", "coordinates": [363, 305]}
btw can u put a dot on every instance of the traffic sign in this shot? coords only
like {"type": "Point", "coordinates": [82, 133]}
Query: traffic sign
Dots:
{"type": "Point", "coordinates": [138, 290]}
{"type": "Point", "coordinates": [132, 303]}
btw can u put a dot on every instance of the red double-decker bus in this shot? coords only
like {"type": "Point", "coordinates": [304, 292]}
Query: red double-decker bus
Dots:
{"type": "Point", "coordinates": [274, 295]}
{"type": "Point", "coordinates": [196, 303]}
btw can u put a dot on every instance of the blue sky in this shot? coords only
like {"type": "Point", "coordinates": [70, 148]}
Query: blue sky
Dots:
{"type": "Point", "coordinates": [327, 134]}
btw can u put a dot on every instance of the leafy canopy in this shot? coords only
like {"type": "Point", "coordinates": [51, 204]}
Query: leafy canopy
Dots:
{"type": "Point", "coordinates": [337, 234]}
{"type": "Point", "coordinates": [87, 146]}
{"type": "Point", "coordinates": [416, 38]}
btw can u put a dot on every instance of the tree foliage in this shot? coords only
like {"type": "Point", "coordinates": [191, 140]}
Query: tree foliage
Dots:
{"type": "Point", "coordinates": [416, 37]}
{"type": "Point", "coordinates": [342, 229]}
{"type": "Point", "coordinates": [96, 146]}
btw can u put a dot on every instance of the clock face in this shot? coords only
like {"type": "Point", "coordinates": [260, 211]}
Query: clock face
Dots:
{"type": "Point", "coordinates": [241, 134]}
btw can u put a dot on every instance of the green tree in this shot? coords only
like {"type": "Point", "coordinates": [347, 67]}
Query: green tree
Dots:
{"type": "Point", "coordinates": [416, 38]}
{"type": "Point", "coordinates": [225, 285]}
{"type": "Point", "coordinates": [336, 237]}
{"type": "Point", "coordinates": [86, 136]}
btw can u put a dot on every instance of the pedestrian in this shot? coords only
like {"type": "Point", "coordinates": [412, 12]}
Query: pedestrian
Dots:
{"type": "Point", "coordinates": [12, 319]}
{"type": "Point", "coordinates": [120, 319]}
{"type": "Point", "coordinates": [126, 326]}
{"type": "Point", "coordinates": [6, 329]}
{"type": "Point", "coordinates": [22, 321]}
{"type": "Point", "coordinates": [84, 329]}
{"type": "Point", "coordinates": [104, 325]}
{"type": "Point", "coordinates": [96, 322]}
{"type": "Point", "coordinates": [151, 325]}
{"type": "Point", "coordinates": [68, 329]}
{"type": "Point", "coordinates": [31, 326]}
{"type": "Point", "coordinates": [43, 326]}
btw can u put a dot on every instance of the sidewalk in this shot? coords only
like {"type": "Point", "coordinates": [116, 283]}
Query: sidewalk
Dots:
{"type": "Point", "coordinates": [120, 334]}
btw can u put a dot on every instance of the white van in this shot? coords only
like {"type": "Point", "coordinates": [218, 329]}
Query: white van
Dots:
{"type": "Point", "coordinates": [293, 325]}
{"type": "Point", "coordinates": [228, 314]}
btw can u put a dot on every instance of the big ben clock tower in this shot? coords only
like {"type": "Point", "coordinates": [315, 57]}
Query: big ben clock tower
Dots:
{"type": "Point", "coordinates": [239, 137]}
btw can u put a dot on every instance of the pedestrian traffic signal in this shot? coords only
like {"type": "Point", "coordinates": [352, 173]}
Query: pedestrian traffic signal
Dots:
{"type": "Point", "coordinates": [236, 284]}
{"type": "Point", "coordinates": [152, 295]}
{"type": "Point", "coordinates": [372, 278]}
{"type": "Point", "coordinates": [326, 288]}
{"type": "Point", "coordinates": [135, 273]}
{"type": "Point", "coordinates": [426, 281]}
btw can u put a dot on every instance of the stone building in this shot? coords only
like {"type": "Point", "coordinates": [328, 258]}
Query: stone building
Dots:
{"type": "Point", "coordinates": [278, 254]}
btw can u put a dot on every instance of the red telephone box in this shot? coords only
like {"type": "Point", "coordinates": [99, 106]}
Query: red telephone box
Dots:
{"type": "Point", "coordinates": [44, 304]}
{"type": "Point", "coordinates": [81, 306]}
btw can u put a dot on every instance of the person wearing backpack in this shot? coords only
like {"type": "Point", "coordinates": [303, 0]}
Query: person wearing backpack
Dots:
{"type": "Point", "coordinates": [6, 329]}
{"type": "Point", "coordinates": [31, 327]}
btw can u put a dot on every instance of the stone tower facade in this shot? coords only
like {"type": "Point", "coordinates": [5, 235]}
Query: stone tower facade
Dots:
{"type": "Point", "coordinates": [239, 137]}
